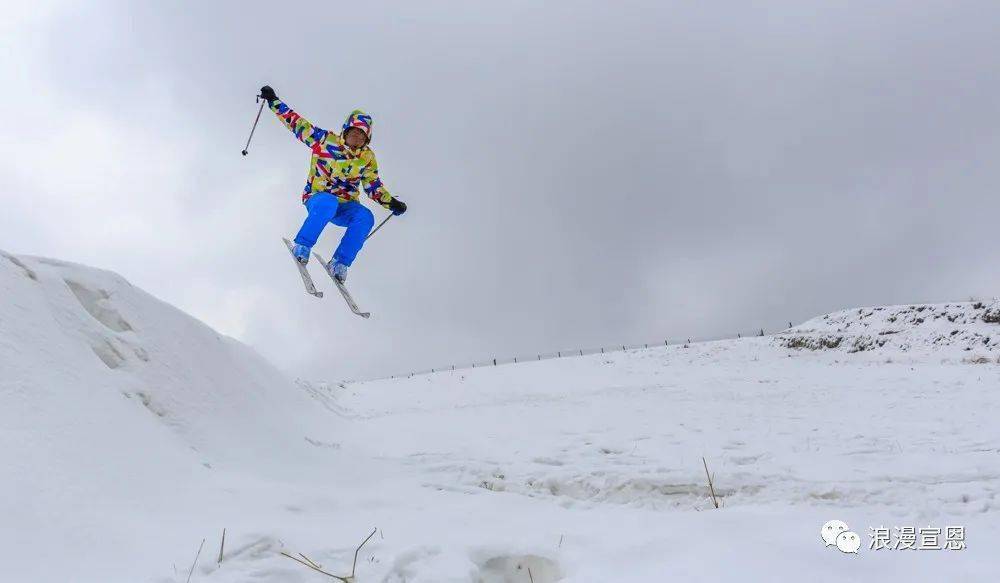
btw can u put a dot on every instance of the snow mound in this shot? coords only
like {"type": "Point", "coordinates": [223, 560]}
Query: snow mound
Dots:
{"type": "Point", "coordinates": [83, 346]}
{"type": "Point", "coordinates": [969, 329]}
{"type": "Point", "coordinates": [114, 404]}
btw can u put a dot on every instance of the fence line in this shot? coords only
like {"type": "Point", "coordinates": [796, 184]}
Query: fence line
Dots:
{"type": "Point", "coordinates": [560, 354]}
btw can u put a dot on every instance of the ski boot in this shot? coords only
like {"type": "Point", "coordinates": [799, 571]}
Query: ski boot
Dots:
{"type": "Point", "coordinates": [337, 270]}
{"type": "Point", "coordinates": [301, 253]}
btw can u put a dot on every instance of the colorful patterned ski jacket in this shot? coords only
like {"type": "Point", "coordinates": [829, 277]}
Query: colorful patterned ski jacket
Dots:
{"type": "Point", "coordinates": [335, 168]}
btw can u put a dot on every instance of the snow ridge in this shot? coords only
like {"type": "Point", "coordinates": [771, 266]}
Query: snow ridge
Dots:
{"type": "Point", "coordinates": [951, 329]}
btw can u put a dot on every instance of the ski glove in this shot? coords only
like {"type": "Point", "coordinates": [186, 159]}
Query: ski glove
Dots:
{"type": "Point", "coordinates": [268, 94]}
{"type": "Point", "coordinates": [397, 206]}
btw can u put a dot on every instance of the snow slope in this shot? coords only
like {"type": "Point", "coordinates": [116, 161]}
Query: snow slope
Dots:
{"type": "Point", "coordinates": [114, 405]}
{"type": "Point", "coordinates": [130, 432]}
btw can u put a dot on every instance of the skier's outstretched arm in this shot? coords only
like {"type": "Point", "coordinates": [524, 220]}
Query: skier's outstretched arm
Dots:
{"type": "Point", "coordinates": [305, 131]}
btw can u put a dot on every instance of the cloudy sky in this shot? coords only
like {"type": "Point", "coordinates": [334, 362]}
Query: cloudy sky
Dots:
{"type": "Point", "coordinates": [578, 173]}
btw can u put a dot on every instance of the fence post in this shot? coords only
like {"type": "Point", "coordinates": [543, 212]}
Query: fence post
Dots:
{"type": "Point", "coordinates": [559, 354]}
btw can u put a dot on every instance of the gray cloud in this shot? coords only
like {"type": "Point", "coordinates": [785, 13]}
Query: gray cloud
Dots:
{"type": "Point", "coordinates": [578, 173]}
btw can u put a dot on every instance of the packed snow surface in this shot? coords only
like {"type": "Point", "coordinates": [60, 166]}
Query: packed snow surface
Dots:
{"type": "Point", "coordinates": [131, 432]}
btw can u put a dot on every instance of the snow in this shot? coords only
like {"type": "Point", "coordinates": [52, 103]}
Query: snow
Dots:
{"type": "Point", "coordinates": [967, 329]}
{"type": "Point", "coordinates": [131, 432]}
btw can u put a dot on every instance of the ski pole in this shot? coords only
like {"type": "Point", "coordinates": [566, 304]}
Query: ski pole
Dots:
{"type": "Point", "coordinates": [384, 221]}
{"type": "Point", "coordinates": [254, 125]}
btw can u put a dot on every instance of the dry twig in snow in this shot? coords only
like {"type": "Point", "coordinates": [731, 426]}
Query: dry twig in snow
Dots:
{"type": "Point", "coordinates": [316, 567]}
{"type": "Point", "coordinates": [222, 545]}
{"type": "Point", "coordinates": [191, 572]}
{"type": "Point", "coordinates": [711, 487]}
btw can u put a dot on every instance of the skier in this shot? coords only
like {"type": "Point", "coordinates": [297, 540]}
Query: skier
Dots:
{"type": "Point", "coordinates": [341, 162]}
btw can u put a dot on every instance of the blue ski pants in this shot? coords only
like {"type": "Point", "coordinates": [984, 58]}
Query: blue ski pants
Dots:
{"type": "Point", "coordinates": [325, 208]}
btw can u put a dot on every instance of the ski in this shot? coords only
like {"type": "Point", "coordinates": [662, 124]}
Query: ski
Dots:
{"type": "Point", "coordinates": [306, 278]}
{"type": "Point", "coordinates": [343, 291]}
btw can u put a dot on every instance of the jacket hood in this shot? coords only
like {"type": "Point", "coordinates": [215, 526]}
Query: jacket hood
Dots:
{"type": "Point", "coordinates": [361, 120]}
